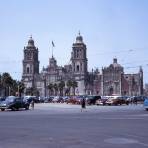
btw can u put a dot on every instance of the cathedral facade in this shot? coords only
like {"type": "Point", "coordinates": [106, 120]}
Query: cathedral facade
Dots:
{"type": "Point", "coordinates": [110, 81]}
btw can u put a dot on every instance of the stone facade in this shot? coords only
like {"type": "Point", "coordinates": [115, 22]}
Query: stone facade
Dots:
{"type": "Point", "coordinates": [30, 64]}
{"type": "Point", "coordinates": [110, 81]}
{"type": "Point", "coordinates": [116, 82]}
{"type": "Point", "coordinates": [79, 63]}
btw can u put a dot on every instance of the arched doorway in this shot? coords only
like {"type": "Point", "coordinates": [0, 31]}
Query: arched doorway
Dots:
{"type": "Point", "coordinates": [111, 90]}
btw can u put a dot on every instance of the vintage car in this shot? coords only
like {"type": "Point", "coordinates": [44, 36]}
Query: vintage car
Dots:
{"type": "Point", "coordinates": [116, 100]}
{"type": "Point", "coordinates": [30, 98]}
{"type": "Point", "coordinates": [74, 100]}
{"type": "Point", "coordinates": [91, 100]}
{"type": "Point", "coordinates": [146, 103]}
{"type": "Point", "coordinates": [13, 103]}
{"type": "Point", "coordinates": [101, 101]}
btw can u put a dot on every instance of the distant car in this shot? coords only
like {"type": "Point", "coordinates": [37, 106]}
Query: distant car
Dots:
{"type": "Point", "coordinates": [55, 99]}
{"type": "Point", "coordinates": [13, 103]}
{"type": "Point", "coordinates": [73, 100]}
{"type": "Point", "coordinates": [48, 99]}
{"type": "Point", "coordinates": [146, 103]}
{"type": "Point", "coordinates": [91, 100]}
{"type": "Point", "coordinates": [65, 98]}
{"type": "Point", "coordinates": [30, 98]}
{"type": "Point", "coordinates": [101, 101]}
{"type": "Point", "coordinates": [117, 100]}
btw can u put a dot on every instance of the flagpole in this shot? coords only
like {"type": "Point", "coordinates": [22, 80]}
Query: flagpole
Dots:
{"type": "Point", "coordinates": [52, 51]}
{"type": "Point", "coordinates": [52, 48]}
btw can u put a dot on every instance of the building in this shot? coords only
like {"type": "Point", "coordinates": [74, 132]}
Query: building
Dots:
{"type": "Point", "coordinates": [110, 81]}
{"type": "Point", "coordinates": [116, 82]}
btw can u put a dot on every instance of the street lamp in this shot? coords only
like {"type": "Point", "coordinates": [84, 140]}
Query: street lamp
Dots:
{"type": "Point", "coordinates": [44, 79]}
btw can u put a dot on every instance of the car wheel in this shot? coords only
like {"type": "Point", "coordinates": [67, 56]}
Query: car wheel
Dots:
{"type": "Point", "coordinates": [17, 109]}
{"type": "Point", "coordinates": [2, 109]}
{"type": "Point", "coordinates": [13, 108]}
{"type": "Point", "coordinates": [27, 107]}
{"type": "Point", "coordinates": [146, 109]}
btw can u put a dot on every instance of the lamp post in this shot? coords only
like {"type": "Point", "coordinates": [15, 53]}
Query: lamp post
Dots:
{"type": "Point", "coordinates": [44, 79]}
{"type": "Point", "coordinates": [18, 90]}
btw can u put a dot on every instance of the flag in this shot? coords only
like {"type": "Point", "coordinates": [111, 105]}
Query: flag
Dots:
{"type": "Point", "coordinates": [53, 44]}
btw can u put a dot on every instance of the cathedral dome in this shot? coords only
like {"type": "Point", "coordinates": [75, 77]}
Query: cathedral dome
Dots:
{"type": "Point", "coordinates": [79, 39]}
{"type": "Point", "coordinates": [31, 42]}
{"type": "Point", "coordinates": [115, 64]}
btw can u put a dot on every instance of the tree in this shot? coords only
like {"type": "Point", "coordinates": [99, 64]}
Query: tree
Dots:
{"type": "Point", "coordinates": [61, 87]}
{"type": "Point", "coordinates": [55, 86]}
{"type": "Point", "coordinates": [14, 88]}
{"type": "Point", "coordinates": [69, 85]}
{"type": "Point", "coordinates": [29, 91]}
{"type": "Point", "coordinates": [20, 88]}
{"type": "Point", "coordinates": [6, 82]}
{"type": "Point", "coordinates": [9, 86]}
{"type": "Point", "coordinates": [50, 88]}
{"type": "Point", "coordinates": [74, 85]}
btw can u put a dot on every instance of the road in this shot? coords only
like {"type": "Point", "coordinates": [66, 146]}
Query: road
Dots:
{"type": "Point", "coordinates": [65, 126]}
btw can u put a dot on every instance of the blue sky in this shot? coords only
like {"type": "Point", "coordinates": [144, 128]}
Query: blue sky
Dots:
{"type": "Point", "coordinates": [110, 28]}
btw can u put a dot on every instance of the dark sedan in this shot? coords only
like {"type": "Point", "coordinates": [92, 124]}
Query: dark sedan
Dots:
{"type": "Point", "coordinates": [91, 100]}
{"type": "Point", "coordinates": [13, 103]}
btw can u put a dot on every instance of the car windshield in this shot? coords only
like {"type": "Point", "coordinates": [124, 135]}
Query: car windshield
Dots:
{"type": "Point", "coordinates": [25, 98]}
{"type": "Point", "coordinates": [90, 97]}
{"type": "Point", "coordinates": [10, 99]}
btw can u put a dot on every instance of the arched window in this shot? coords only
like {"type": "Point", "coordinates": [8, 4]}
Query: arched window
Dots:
{"type": "Point", "coordinates": [28, 70]}
{"type": "Point", "coordinates": [111, 90]}
{"type": "Point", "coordinates": [78, 68]}
{"type": "Point", "coordinates": [81, 67]}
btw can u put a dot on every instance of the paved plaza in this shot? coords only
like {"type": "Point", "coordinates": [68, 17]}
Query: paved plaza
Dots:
{"type": "Point", "coordinates": [65, 126]}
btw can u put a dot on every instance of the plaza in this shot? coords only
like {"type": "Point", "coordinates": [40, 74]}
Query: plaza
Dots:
{"type": "Point", "coordinates": [62, 125]}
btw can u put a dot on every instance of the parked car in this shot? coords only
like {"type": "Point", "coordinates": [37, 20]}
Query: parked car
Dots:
{"type": "Point", "coordinates": [117, 100]}
{"type": "Point", "coordinates": [2, 99]}
{"type": "Point", "coordinates": [30, 98]}
{"type": "Point", "coordinates": [13, 103]}
{"type": "Point", "coordinates": [91, 100]}
{"type": "Point", "coordinates": [74, 100]}
{"type": "Point", "coordinates": [65, 98]}
{"type": "Point", "coordinates": [146, 103]}
{"type": "Point", "coordinates": [48, 99]}
{"type": "Point", "coordinates": [55, 99]}
{"type": "Point", "coordinates": [101, 101]}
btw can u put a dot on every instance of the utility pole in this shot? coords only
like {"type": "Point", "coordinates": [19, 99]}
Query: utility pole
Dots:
{"type": "Point", "coordinates": [44, 80]}
{"type": "Point", "coordinates": [18, 90]}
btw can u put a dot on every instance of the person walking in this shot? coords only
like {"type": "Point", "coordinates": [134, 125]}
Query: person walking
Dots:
{"type": "Point", "coordinates": [83, 104]}
{"type": "Point", "coordinates": [32, 104]}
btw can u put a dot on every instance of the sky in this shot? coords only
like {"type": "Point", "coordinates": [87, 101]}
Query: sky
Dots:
{"type": "Point", "coordinates": [110, 28]}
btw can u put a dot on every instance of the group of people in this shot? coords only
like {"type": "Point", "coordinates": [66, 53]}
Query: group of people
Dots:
{"type": "Point", "coordinates": [83, 104]}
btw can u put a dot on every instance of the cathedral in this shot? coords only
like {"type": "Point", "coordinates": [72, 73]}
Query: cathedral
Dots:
{"type": "Point", "coordinates": [110, 80]}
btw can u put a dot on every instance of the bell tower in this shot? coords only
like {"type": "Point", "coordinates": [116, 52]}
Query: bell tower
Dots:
{"type": "Point", "coordinates": [79, 62]}
{"type": "Point", "coordinates": [30, 63]}
{"type": "Point", "coordinates": [79, 58]}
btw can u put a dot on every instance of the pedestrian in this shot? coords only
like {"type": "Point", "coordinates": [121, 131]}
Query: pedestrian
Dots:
{"type": "Point", "coordinates": [83, 104]}
{"type": "Point", "coordinates": [135, 101]}
{"type": "Point", "coordinates": [32, 104]}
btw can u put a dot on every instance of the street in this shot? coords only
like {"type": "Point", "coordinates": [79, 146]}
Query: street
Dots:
{"type": "Point", "coordinates": [65, 126]}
